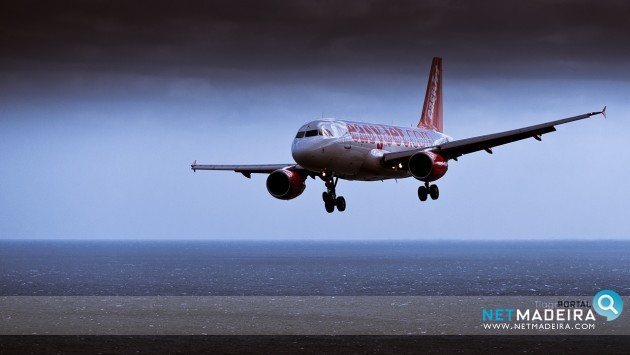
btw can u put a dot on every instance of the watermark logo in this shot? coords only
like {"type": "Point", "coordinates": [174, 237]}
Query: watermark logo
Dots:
{"type": "Point", "coordinates": [608, 303]}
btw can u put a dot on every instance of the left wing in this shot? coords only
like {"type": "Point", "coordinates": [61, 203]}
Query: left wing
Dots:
{"type": "Point", "coordinates": [248, 170]}
{"type": "Point", "coordinates": [455, 149]}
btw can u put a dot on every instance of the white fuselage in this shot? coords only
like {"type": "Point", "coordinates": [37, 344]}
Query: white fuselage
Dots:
{"type": "Point", "coordinates": [354, 150]}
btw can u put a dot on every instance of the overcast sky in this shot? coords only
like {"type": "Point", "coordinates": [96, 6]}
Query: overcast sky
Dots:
{"type": "Point", "coordinates": [104, 105]}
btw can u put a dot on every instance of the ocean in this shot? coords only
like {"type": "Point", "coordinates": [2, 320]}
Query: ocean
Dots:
{"type": "Point", "coordinates": [312, 268]}
{"type": "Point", "coordinates": [289, 268]}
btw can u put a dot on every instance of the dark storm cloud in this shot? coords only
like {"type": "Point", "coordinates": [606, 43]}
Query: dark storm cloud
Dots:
{"type": "Point", "coordinates": [213, 38]}
{"type": "Point", "coordinates": [111, 100]}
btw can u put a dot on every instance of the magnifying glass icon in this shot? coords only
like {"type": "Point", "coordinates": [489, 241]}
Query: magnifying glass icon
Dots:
{"type": "Point", "coordinates": [610, 306]}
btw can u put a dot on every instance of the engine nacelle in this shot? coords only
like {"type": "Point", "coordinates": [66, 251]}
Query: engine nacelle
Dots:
{"type": "Point", "coordinates": [285, 184]}
{"type": "Point", "coordinates": [427, 166]}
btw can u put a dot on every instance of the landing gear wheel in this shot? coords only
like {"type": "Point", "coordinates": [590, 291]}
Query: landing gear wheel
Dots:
{"type": "Point", "coordinates": [434, 192]}
{"type": "Point", "coordinates": [330, 195]}
{"type": "Point", "coordinates": [341, 204]}
{"type": "Point", "coordinates": [423, 192]}
{"type": "Point", "coordinates": [330, 206]}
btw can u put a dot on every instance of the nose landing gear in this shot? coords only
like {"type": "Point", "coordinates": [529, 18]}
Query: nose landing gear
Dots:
{"type": "Point", "coordinates": [331, 200]}
{"type": "Point", "coordinates": [426, 190]}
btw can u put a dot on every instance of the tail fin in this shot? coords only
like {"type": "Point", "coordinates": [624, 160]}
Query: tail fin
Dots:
{"type": "Point", "coordinates": [432, 110]}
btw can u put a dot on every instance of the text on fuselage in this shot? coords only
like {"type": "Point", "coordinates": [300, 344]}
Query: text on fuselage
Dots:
{"type": "Point", "coordinates": [388, 136]}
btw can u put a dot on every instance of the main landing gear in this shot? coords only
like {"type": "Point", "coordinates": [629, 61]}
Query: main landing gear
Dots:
{"type": "Point", "coordinates": [426, 190]}
{"type": "Point", "coordinates": [331, 200]}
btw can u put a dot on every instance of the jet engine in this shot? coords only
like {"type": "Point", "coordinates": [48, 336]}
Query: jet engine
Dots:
{"type": "Point", "coordinates": [427, 166]}
{"type": "Point", "coordinates": [285, 184]}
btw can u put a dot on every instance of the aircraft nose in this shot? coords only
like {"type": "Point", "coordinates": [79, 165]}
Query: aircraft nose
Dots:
{"type": "Point", "coordinates": [306, 153]}
{"type": "Point", "coordinates": [300, 152]}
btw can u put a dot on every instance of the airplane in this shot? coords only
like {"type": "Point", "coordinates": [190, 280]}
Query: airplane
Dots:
{"type": "Point", "coordinates": [334, 149]}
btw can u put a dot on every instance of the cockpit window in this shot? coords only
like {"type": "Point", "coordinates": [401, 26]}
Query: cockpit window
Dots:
{"type": "Point", "coordinates": [325, 129]}
{"type": "Point", "coordinates": [311, 133]}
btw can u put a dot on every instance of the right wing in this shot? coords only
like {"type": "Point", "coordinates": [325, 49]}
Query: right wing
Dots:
{"type": "Point", "coordinates": [247, 170]}
{"type": "Point", "coordinates": [455, 149]}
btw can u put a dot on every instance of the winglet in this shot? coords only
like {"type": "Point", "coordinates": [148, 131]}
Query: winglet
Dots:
{"type": "Point", "coordinates": [602, 112]}
{"type": "Point", "coordinates": [194, 165]}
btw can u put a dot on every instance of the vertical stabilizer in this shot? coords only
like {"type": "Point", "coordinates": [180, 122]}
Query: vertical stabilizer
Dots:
{"type": "Point", "coordinates": [431, 117]}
